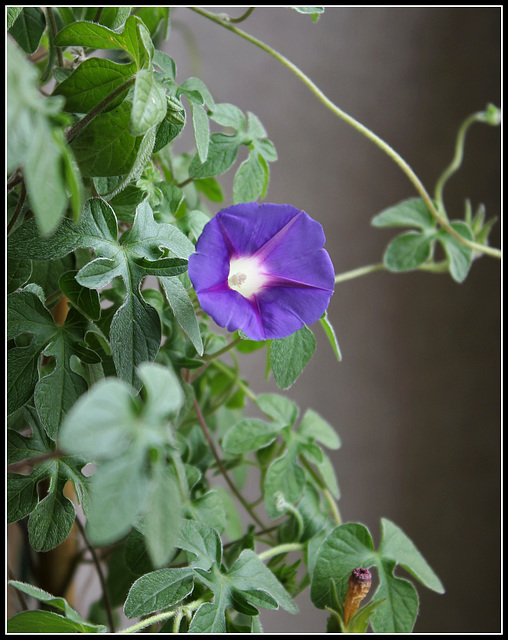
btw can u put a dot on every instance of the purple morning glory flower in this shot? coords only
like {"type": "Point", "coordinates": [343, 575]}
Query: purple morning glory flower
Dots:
{"type": "Point", "coordinates": [261, 268]}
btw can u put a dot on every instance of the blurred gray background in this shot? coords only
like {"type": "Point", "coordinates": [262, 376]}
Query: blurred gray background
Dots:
{"type": "Point", "coordinates": [416, 399]}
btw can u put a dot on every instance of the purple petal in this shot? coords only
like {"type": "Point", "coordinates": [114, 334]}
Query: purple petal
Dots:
{"type": "Point", "coordinates": [284, 310]}
{"type": "Point", "coordinates": [209, 266]}
{"type": "Point", "coordinates": [231, 310]}
{"type": "Point", "coordinates": [249, 226]}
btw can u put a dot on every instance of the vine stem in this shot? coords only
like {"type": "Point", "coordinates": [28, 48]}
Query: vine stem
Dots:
{"type": "Point", "coordinates": [225, 349]}
{"type": "Point", "coordinates": [222, 468]}
{"type": "Point", "coordinates": [370, 135]}
{"type": "Point", "coordinates": [239, 383]}
{"type": "Point", "coordinates": [105, 593]}
{"type": "Point", "coordinates": [457, 158]}
{"type": "Point", "coordinates": [165, 615]}
{"type": "Point", "coordinates": [435, 267]}
{"type": "Point", "coordinates": [54, 32]}
{"type": "Point", "coordinates": [281, 548]}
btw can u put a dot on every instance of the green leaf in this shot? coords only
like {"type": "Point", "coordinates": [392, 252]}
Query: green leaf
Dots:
{"type": "Point", "coordinates": [290, 355]}
{"type": "Point", "coordinates": [183, 310]}
{"type": "Point", "coordinates": [149, 103]}
{"type": "Point", "coordinates": [279, 408]}
{"type": "Point", "coordinates": [163, 515]}
{"type": "Point", "coordinates": [54, 601]}
{"type": "Point", "coordinates": [106, 147]}
{"type": "Point", "coordinates": [118, 493]}
{"type": "Point", "coordinates": [314, 427]}
{"type": "Point", "coordinates": [165, 394]}
{"type": "Point", "coordinates": [459, 256]}
{"type": "Point", "coordinates": [228, 115]}
{"type": "Point", "coordinates": [247, 583]}
{"type": "Point", "coordinates": [101, 424]}
{"type": "Point", "coordinates": [413, 212]}
{"type": "Point", "coordinates": [133, 38]}
{"type": "Point", "coordinates": [56, 392]}
{"type": "Point", "coordinates": [347, 547]}
{"type": "Point", "coordinates": [350, 546]}
{"type": "Point", "coordinates": [12, 14]}
{"type": "Point", "coordinates": [38, 621]}
{"type": "Point", "coordinates": [93, 81]}
{"type": "Point", "coordinates": [143, 156]}
{"type": "Point", "coordinates": [18, 273]}
{"type": "Point", "coordinates": [396, 546]}
{"type": "Point", "coordinates": [85, 300]}
{"type": "Point", "coordinates": [249, 180]}
{"type": "Point", "coordinates": [28, 27]}
{"type": "Point", "coordinates": [158, 590]}
{"type": "Point", "coordinates": [250, 435]}
{"type": "Point", "coordinates": [165, 63]}
{"type": "Point", "coordinates": [222, 152]}
{"type": "Point", "coordinates": [201, 129]}
{"type": "Point", "coordinates": [284, 478]}
{"type": "Point", "coordinates": [171, 125]}
{"type": "Point", "coordinates": [72, 177]}
{"type": "Point", "coordinates": [209, 509]}
{"type": "Point", "coordinates": [51, 520]}
{"type": "Point", "coordinates": [314, 12]}
{"type": "Point", "coordinates": [46, 181]}
{"type": "Point", "coordinates": [408, 251]}
{"type": "Point", "coordinates": [202, 542]}
{"type": "Point", "coordinates": [27, 314]}
{"type": "Point", "coordinates": [398, 603]}
{"type": "Point", "coordinates": [22, 495]}
{"type": "Point", "coordinates": [249, 573]}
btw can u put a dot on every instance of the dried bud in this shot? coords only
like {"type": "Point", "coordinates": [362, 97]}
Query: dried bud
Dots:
{"type": "Point", "coordinates": [358, 587]}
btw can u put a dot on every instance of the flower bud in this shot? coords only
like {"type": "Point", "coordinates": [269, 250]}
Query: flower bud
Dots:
{"type": "Point", "coordinates": [358, 587]}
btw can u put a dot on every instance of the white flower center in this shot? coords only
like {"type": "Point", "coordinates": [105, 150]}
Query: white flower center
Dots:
{"type": "Point", "coordinates": [246, 277]}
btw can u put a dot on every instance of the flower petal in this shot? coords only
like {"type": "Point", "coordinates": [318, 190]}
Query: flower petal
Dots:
{"type": "Point", "coordinates": [251, 225]}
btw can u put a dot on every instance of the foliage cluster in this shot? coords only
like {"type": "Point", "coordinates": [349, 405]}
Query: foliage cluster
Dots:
{"type": "Point", "coordinates": [124, 395]}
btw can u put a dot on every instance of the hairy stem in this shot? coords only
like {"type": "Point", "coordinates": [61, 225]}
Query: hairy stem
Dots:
{"type": "Point", "coordinates": [281, 548]}
{"type": "Point", "coordinates": [105, 593]}
{"type": "Point", "coordinates": [370, 135]}
{"type": "Point", "coordinates": [160, 617]}
{"type": "Point", "coordinates": [222, 468]}
{"type": "Point", "coordinates": [54, 32]}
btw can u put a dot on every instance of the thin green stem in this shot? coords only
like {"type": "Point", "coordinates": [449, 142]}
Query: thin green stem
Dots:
{"type": "Point", "coordinates": [432, 267]}
{"type": "Point", "coordinates": [165, 615]}
{"type": "Point", "coordinates": [222, 468]}
{"type": "Point", "coordinates": [361, 271]}
{"type": "Point", "coordinates": [328, 496]}
{"type": "Point", "coordinates": [243, 17]}
{"type": "Point", "coordinates": [19, 207]}
{"type": "Point", "coordinates": [240, 383]}
{"type": "Point", "coordinates": [54, 32]}
{"type": "Point", "coordinates": [225, 349]}
{"type": "Point", "coordinates": [457, 158]}
{"type": "Point", "coordinates": [102, 580]}
{"type": "Point", "coordinates": [177, 621]}
{"type": "Point", "coordinates": [281, 548]}
{"type": "Point", "coordinates": [370, 135]}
